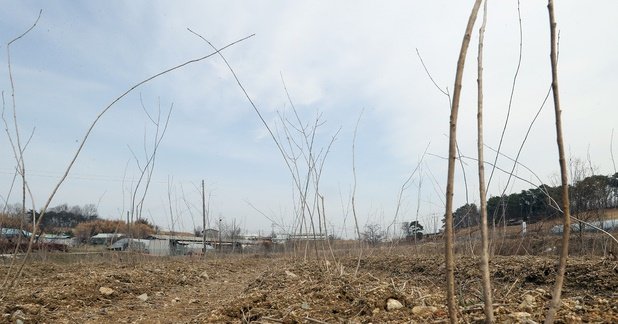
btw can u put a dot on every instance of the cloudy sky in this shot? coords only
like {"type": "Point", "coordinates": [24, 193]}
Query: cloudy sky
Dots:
{"type": "Point", "coordinates": [344, 60]}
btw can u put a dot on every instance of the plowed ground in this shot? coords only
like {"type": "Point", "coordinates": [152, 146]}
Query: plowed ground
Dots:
{"type": "Point", "coordinates": [275, 289]}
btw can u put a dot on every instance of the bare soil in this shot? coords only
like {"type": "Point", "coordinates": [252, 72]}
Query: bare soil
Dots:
{"type": "Point", "coordinates": [276, 289]}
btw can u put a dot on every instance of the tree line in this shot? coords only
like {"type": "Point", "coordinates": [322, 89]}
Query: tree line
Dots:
{"type": "Point", "coordinates": [75, 221]}
{"type": "Point", "coordinates": [57, 218]}
{"type": "Point", "coordinates": [588, 194]}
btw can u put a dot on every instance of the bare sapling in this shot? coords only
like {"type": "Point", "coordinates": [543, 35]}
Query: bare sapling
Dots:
{"type": "Point", "coordinates": [487, 292]}
{"type": "Point", "coordinates": [302, 143]}
{"type": "Point", "coordinates": [512, 94]}
{"type": "Point", "coordinates": [305, 146]}
{"type": "Point", "coordinates": [446, 93]}
{"type": "Point", "coordinates": [448, 235]}
{"type": "Point", "coordinates": [307, 161]}
{"type": "Point", "coordinates": [328, 240]}
{"type": "Point", "coordinates": [20, 170]}
{"type": "Point", "coordinates": [146, 171]}
{"type": "Point", "coordinates": [8, 284]}
{"type": "Point", "coordinates": [404, 186]}
{"type": "Point", "coordinates": [564, 252]}
{"type": "Point", "coordinates": [18, 148]}
{"type": "Point", "coordinates": [360, 238]}
{"type": "Point", "coordinates": [611, 150]}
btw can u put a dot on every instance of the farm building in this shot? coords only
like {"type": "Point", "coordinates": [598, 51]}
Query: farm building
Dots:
{"type": "Point", "coordinates": [307, 237]}
{"type": "Point", "coordinates": [105, 238]}
{"type": "Point", "coordinates": [58, 239]}
{"type": "Point", "coordinates": [129, 244]}
{"type": "Point", "coordinates": [212, 234]}
{"type": "Point", "coordinates": [165, 245]}
{"type": "Point", "coordinates": [607, 225]}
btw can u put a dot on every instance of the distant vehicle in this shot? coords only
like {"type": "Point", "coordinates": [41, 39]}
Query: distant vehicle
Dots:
{"type": "Point", "coordinates": [13, 233]}
{"type": "Point", "coordinates": [512, 222]}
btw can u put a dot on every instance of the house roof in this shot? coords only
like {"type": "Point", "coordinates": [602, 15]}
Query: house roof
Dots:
{"type": "Point", "coordinates": [107, 235]}
{"type": "Point", "coordinates": [175, 237]}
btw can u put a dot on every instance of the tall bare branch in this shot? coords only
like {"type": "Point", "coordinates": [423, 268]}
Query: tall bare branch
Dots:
{"type": "Point", "coordinates": [513, 84]}
{"type": "Point", "coordinates": [449, 254]}
{"type": "Point", "coordinates": [564, 253]}
{"type": "Point", "coordinates": [487, 293]}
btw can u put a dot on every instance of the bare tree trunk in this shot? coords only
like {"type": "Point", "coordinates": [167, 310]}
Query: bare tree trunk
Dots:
{"type": "Point", "coordinates": [564, 254]}
{"type": "Point", "coordinates": [450, 259]}
{"type": "Point", "coordinates": [487, 295]}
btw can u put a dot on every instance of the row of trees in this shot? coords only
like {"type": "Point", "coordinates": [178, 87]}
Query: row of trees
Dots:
{"type": "Point", "coordinates": [57, 219]}
{"type": "Point", "coordinates": [589, 194]}
{"type": "Point", "coordinates": [139, 229]}
{"type": "Point", "coordinates": [373, 234]}
{"type": "Point", "coordinates": [80, 221]}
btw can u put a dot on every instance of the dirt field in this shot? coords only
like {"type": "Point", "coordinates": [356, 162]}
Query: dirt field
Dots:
{"type": "Point", "coordinates": [275, 289]}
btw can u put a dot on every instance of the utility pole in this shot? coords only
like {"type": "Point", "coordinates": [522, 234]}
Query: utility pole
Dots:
{"type": "Point", "coordinates": [233, 234]}
{"type": "Point", "coordinates": [203, 221]}
{"type": "Point", "coordinates": [220, 246]}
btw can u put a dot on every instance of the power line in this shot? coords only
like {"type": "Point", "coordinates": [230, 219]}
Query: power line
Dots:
{"type": "Point", "coordinates": [88, 177]}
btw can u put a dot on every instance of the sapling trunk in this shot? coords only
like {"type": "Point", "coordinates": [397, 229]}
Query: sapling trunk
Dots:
{"type": "Point", "coordinates": [487, 293]}
{"type": "Point", "coordinates": [564, 253]}
{"type": "Point", "coordinates": [449, 255]}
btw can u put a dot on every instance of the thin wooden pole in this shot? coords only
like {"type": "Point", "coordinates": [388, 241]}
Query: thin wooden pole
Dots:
{"type": "Point", "coordinates": [448, 235]}
{"type": "Point", "coordinates": [487, 292]}
{"type": "Point", "coordinates": [203, 221]}
{"type": "Point", "coordinates": [564, 254]}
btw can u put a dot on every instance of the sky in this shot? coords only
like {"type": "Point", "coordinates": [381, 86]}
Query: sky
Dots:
{"type": "Point", "coordinates": [353, 63]}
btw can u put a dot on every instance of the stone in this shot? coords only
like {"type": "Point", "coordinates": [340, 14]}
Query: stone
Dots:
{"type": "Point", "coordinates": [18, 315]}
{"type": "Point", "coordinates": [424, 311]}
{"type": "Point", "coordinates": [106, 291]}
{"type": "Point", "coordinates": [30, 308]}
{"type": "Point", "coordinates": [143, 297]}
{"type": "Point", "coordinates": [528, 304]}
{"type": "Point", "coordinates": [521, 317]}
{"type": "Point", "coordinates": [393, 304]}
